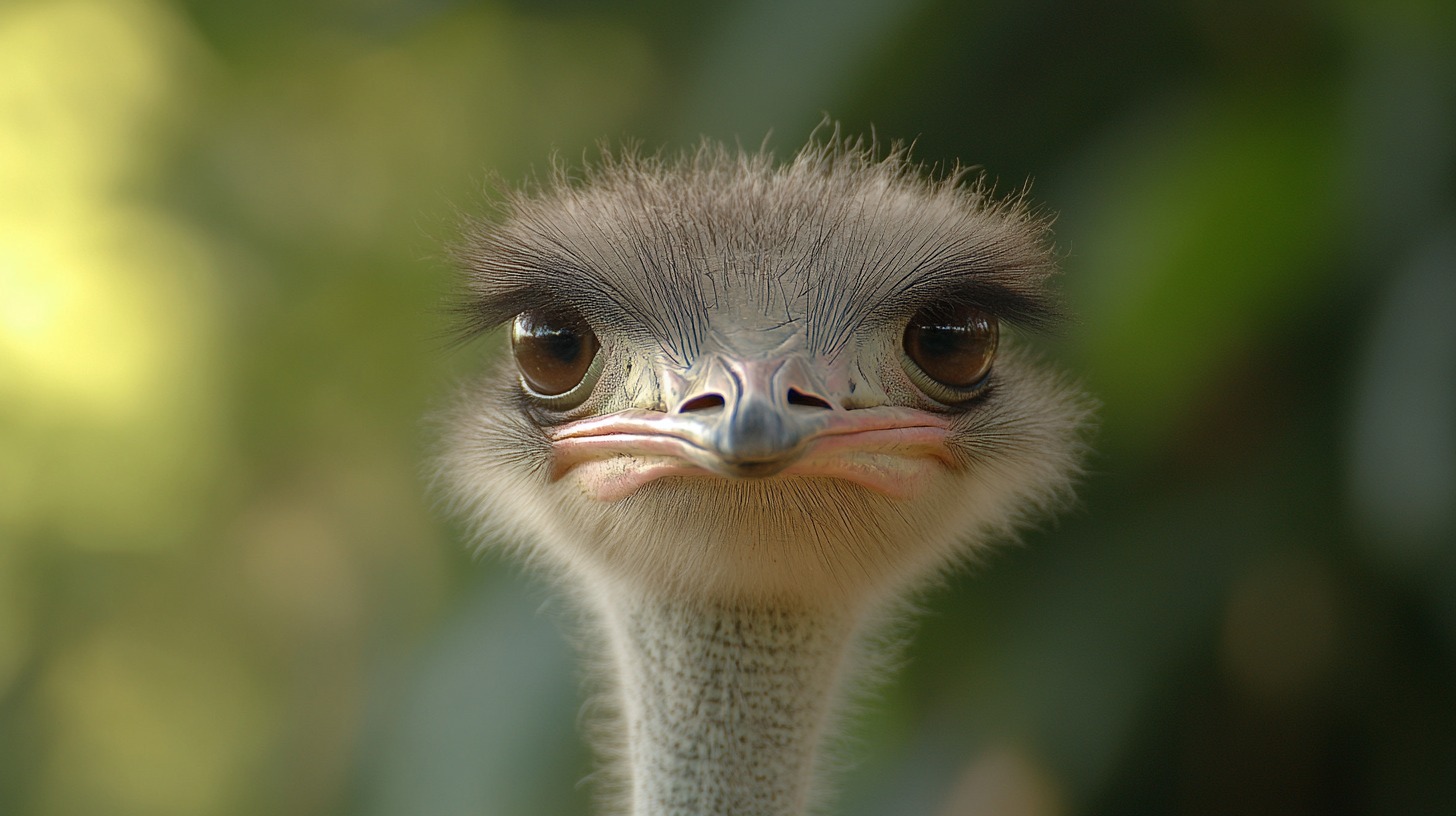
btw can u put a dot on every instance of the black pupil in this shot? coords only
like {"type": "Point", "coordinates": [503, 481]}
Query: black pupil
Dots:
{"type": "Point", "coordinates": [561, 343]}
{"type": "Point", "coordinates": [943, 341]}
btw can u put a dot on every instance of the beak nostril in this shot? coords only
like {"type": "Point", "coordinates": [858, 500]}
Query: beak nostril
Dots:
{"type": "Point", "coordinates": [797, 397]}
{"type": "Point", "coordinates": [703, 402]}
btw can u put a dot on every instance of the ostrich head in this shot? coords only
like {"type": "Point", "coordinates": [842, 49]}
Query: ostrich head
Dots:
{"type": "Point", "coordinates": [758, 399]}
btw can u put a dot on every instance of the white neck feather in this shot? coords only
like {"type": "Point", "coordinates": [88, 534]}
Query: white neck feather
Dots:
{"type": "Point", "coordinates": [724, 706]}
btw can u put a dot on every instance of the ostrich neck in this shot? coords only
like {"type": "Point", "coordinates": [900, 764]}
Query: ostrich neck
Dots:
{"type": "Point", "coordinates": [724, 706]}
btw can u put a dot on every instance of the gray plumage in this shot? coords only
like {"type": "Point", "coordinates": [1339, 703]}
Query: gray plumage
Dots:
{"type": "Point", "coordinates": [752, 472]}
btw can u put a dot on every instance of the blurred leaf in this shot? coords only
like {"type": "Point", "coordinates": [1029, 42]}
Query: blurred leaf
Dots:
{"type": "Point", "coordinates": [1201, 235]}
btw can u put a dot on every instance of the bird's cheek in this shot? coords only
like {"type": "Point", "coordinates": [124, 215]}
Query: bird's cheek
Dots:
{"type": "Point", "coordinates": [615, 478]}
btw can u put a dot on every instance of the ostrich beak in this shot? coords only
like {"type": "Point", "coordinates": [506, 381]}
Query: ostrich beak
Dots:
{"type": "Point", "coordinates": [755, 417]}
{"type": "Point", "coordinates": [753, 420]}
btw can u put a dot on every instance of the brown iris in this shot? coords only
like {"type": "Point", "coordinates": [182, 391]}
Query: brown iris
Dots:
{"type": "Point", "coordinates": [951, 349]}
{"type": "Point", "coordinates": [554, 351]}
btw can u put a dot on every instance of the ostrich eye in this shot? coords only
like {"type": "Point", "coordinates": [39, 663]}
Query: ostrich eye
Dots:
{"type": "Point", "coordinates": [950, 349]}
{"type": "Point", "coordinates": [555, 351]}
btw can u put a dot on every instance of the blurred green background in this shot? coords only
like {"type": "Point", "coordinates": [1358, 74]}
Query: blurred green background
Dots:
{"type": "Point", "coordinates": [225, 587]}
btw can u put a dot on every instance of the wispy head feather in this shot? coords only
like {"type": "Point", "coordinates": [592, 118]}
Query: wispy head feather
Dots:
{"type": "Point", "coordinates": [842, 235]}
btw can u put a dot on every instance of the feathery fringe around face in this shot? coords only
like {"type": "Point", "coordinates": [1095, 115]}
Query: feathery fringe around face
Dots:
{"type": "Point", "coordinates": [745, 382]}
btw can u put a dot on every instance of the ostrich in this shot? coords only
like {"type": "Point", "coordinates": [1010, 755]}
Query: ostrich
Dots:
{"type": "Point", "coordinates": [748, 408]}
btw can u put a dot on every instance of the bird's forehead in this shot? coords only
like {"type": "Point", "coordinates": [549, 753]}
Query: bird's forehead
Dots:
{"type": "Point", "coordinates": [743, 304]}
{"type": "Point", "coordinates": [757, 303]}
{"type": "Point", "coordinates": [748, 333]}
{"type": "Point", "coordinates": [758, 261]}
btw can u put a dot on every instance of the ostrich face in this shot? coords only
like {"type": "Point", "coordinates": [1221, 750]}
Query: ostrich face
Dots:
{"type": "Point", "coordinates": [735, 380]}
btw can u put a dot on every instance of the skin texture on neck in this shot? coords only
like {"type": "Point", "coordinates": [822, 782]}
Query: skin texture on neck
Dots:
{"type": "Point", "coordinates": [724, 706]}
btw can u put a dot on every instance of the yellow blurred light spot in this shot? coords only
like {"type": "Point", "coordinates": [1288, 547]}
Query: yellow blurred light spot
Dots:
{"type": "Point", "coordinates": [79, 82]}
{"type": "Point", "coordinates": [65, 330]}
{"type": "Point", "coordinates": [100, 315]}
{"type": "Point", "coordinates": [107, 409]}
{"type": "Point", "coordinates": [109, 412]}
{"type": "Point", "coordinates": [31, 302]}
